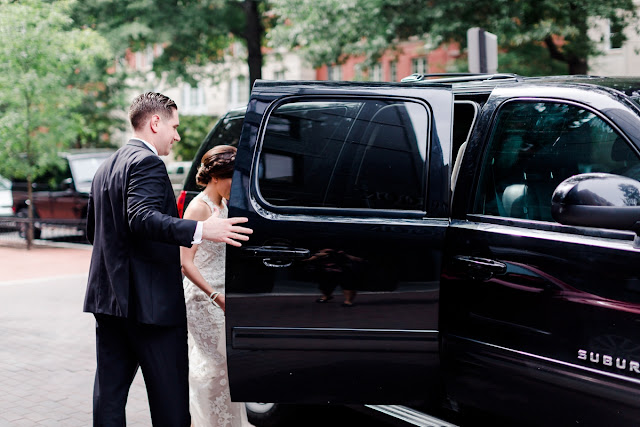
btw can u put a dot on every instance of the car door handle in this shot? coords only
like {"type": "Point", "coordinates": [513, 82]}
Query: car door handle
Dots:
{"type": "Point", "coordinates": [276, 256]}
{"type": "Point", "coordinates": [481, 265]}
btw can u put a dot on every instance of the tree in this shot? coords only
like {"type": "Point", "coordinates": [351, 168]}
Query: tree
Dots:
{"type": "Point", "coordinates": [375, 25]}
{"type": "Point", "coordinates": [41, 55]}
{"type": "Point", "coordinates": [193, 130]}
{"type": "Point", "coordinates": [103, 101]}
{"type": "Point", "coordinates": [192, 33]}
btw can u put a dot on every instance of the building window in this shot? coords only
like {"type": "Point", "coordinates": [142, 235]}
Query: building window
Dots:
{"type": "Point", "coordinates": [238, 92]}
{"type": "Point", "coordinates": [376, 73]}
{"type": "Point", "coordinates": [278, 75]}
{"type": "Point", "coordinates": [193, 100]}
{"type": "Point", "coordinates": [144, 59]}
{"type": "Point", "coordinates": [334, 72]}
{"type": "Point", "coordinates": [616, 35]}
{"type": "Point", "coordinates": [419, 65]}
{"type": "Point", "coordinates": [393, 71]}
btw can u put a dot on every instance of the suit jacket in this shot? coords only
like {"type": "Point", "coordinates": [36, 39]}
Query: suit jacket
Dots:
{"type": "Point", "coordinates": [134, 227]}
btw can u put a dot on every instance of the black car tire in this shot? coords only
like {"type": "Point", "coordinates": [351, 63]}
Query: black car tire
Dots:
{"type": "Point", "coordinates": [268, 414]}
{"type": "Point", "coordinates": [22, 226]}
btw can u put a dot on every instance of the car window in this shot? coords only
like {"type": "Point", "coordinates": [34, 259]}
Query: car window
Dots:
{"type": "Point", "coordinates": [356, 154]}
{"type": "Point", "coordinates": [536, 145]}
{"type": "Point", "coordinates": [85, 168]}
{"type": "Point", "coordinates": [5, 184]}
{"type": "Point", "coordinates": [52, 178]}
{"type": "Point", "coordinates": [227, 132]}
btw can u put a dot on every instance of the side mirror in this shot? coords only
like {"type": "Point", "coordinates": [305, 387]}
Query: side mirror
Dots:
{"type": "Point", "coordinates": [66, 184]}
{"type": "Point", "coordinates": [598, 200]}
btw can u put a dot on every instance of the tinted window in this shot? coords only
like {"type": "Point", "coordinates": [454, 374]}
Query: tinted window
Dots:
{"type": "Point", "coordinates": [228, 133]}
{"type": "Point", "coordinates": [537, 145]}
{"type": "Point", "coordinates": [366, 154]}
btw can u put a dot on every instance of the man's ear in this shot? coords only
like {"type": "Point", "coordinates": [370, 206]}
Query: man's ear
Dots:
{"type": "Point", "coordinates": [154, 123]}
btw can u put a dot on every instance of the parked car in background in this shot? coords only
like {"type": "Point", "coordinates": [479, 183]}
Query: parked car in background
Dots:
{"type": "Point", "coordinates": [6, 206]}
{"type": "Point", "coordinates": [6, 199]}
{"type": "Point", "coordinates": [177, 172]}
{"type": "Point", "coordinates": [60, 195]}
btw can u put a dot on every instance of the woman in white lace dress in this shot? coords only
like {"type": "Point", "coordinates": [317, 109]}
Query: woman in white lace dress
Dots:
{"type": "Point", "coordinates": [203, 266]}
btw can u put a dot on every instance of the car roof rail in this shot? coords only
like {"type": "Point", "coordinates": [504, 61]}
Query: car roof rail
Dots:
{"type": "Point", "coordinates": [459, 77]}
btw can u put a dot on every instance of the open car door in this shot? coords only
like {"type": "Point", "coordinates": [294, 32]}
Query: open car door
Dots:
{"type": "Point", "coordinates": [335, 297]}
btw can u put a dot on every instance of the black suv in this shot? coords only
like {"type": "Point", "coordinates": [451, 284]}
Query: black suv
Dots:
{"type": "Point", "coordinates": [61, 194]}
{"type": "Point", "coordinates": [487, 226]}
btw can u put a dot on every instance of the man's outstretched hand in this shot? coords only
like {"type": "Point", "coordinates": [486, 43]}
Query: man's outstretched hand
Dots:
{"type": "Point", "coordinates": [225, 230]}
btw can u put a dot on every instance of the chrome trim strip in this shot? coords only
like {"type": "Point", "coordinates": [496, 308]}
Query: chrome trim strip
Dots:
{"type": "Point", "coordinates": [284, 329]}
{"type": "Point", "coordinates": [410, 416]}
{"type": "Point", "coordinates": [557, 234]}
{"type": "Point", "coordinates": [553, 361]}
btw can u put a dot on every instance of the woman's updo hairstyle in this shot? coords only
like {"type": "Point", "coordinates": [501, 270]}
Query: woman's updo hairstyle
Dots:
{"type": "Point", "coordinates": [216, 163]}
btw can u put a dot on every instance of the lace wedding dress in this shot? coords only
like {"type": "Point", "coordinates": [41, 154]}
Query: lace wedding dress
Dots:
{"type": "Point", "coordinates": [209, 400]}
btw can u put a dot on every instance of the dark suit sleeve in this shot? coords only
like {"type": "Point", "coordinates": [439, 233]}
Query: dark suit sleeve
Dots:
{"type": "Point", "coordinates": [151, 209]}
{"type": "Point", "coordinates": [91, 218]}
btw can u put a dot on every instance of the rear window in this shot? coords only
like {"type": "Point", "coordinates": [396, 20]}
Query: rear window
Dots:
{"type": "Point", "coordinates": [346, 154]}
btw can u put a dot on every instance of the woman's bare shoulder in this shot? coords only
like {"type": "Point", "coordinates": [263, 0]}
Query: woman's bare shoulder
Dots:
{"type": "Point", "coordinates": [197, 210]}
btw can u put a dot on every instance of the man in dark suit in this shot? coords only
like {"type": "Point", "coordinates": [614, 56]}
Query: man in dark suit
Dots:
{"type": "Point", "coordinates": [135, 281]}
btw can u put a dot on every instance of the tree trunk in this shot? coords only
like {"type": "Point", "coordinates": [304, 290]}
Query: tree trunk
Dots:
{"type": "Point", "coordinates": [29, 235]}
{"type": "Point", "coordinates": [578, 66]}
{"type": "Point", "coordinates": [253, 35]}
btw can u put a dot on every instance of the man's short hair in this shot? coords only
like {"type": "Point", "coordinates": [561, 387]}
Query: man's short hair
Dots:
{"type": "Point", "coordinates": [148, 104]}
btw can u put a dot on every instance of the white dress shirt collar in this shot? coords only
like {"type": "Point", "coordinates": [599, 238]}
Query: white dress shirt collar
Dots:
{"type": "Point", "coordinates": [151, 147]}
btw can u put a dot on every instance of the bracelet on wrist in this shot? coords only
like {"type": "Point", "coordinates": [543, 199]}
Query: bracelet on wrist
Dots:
{"type": "Point", "coordinates": [212, 298]}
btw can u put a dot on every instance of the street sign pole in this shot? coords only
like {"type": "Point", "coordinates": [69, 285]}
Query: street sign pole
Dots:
{"type": "Point", "coordinates": [482, 48]}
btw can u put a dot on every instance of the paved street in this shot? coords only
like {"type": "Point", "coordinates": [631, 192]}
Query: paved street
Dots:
{"type": "Point", "coordinates": [47, 355]}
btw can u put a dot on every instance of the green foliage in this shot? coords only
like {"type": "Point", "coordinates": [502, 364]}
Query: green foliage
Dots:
{"type": "Point", "coordinates": [103, 98]}
{"type": "Point", "coordinates": [192, 130]}
{"type": "Point", "coordinates": [530, 60]}
{"type": "Point", "coordinates": [42, 59]}
{"type": "Point", "coordinates": [327, 31]}
{"type": "Point", "coordinates": [192, 33]}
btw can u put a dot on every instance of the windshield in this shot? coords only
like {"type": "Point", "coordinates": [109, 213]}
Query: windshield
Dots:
{"type": "Point", "coordinates": [5, 184]}
{"type": "Point", "coordinates": [85, 168]}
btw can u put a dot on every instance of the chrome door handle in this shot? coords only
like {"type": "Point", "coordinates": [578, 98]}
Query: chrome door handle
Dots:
{"type": "Point", "coordinates": [480, 268]}
{"type": "Point", "coordinates": [275, 252]}
{"type": "Point", "coordinates": [276, 256]}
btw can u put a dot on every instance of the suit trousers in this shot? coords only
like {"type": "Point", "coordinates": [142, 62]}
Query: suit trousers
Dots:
{"type": "Point", "coordinates": [123, 345]}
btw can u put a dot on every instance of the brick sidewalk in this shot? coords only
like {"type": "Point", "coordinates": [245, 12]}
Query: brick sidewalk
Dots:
{"type": "Point", "coordinates": [47, 344]}
{"type": "Point", "coordinates": [43, 262]}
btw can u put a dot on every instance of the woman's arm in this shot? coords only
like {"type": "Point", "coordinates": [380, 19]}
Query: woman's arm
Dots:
{"type": "Point", "coordinates": [198, 211]}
